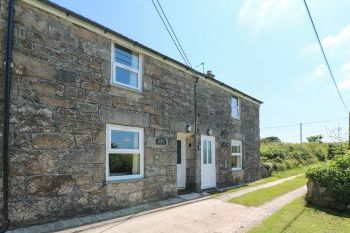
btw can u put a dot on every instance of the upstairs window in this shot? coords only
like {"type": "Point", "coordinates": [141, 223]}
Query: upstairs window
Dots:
{"type": "Point", "coordinates": [235, 112]}
{"type": "Point", "coordinates": [126, 68]}
{"type": "Point", "coordinates": [124, 153]}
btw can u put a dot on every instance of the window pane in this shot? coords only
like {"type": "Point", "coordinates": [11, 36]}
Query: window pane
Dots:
{"type": "Point", "coordinates": [239, 161]}
{"type": "Point", "coordinates": [235, 112]}
{"type": "Point", "coordinates": [126, 57]}
{"type": "Point", "coordinates": [124, 164]}
{"type": "Point", "coordinates": [124, 140]}
{"type": "Point", "coordinates": [178, 152]}
{"type": "Point", "coordinates": [127, 77]}
{"type": "Point", "coordinates": [209, 152]}
{"type": "Point", "coordinates": [205, 152]}
{"type": "Point", "coordinates": [236, 149]}
{"type": "Point", "coordinates": [234, 102]}
{"type": "Point", "coordinates": [234, 161]}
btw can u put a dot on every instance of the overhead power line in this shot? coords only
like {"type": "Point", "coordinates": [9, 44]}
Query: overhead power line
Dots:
{"type": "Point", "coordinates": [325, 58]}
{"type": "Point", "coordinates": [171, 32]}
{"type": "Point", "coordinates": [306, 123]}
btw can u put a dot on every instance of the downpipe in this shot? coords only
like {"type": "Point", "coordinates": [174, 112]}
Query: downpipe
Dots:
{"type": "Point", "coordinates": [195, 104]}
{"type": "Point", "coordinates": [6, 122]}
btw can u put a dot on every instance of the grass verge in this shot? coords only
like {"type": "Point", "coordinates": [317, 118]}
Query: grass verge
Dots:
{"type": "Point", "coordinates": [262, 196]}
{"type": "Point", "coordinates": [273, 177]}
{"type": "Point", "coordinates": [296, 217]}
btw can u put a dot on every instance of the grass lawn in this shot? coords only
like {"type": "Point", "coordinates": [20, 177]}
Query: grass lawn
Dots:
{"type": "Point", "coordinates": [296, 217]}
{"type": "Point", "coordinates": [275, 176]}
{"type": "Point", "coordinates": [264, 195]}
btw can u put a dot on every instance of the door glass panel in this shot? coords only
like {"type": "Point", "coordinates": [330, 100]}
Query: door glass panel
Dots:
{"type": "Point", "coordinates": [178, 152]}
{"type": "Point", "coordinates": [209, 152]}
{"type": "Point", "coordinates": [205, 152]}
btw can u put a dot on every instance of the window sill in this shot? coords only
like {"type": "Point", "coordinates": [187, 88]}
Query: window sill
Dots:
{"type": "Point", "coordinates": [236, 118]}
{"type": "Point", "coordinates": [131, 180]}
{"type": "Point", "coordinates": [236, 169]}
{"type": "Point", "coordinates": [137, 90]}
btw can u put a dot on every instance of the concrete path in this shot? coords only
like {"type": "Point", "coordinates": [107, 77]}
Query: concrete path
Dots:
{"type": "Point", "coordinates": [214, 215]}
{"type": "Point", "coordinates": [228, 196]}
{"type": "Point", "coordinates": [187, 213]}
{"type": "Point", "coordinates": [207, 216]}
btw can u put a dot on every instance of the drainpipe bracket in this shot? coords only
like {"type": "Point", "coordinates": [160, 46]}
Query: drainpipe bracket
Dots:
{"type": "Point", "coordinates": [12, 65]}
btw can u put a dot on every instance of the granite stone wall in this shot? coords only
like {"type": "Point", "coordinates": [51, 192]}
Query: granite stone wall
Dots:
{"type": "Point", "coordinates": [322, 197]}
{"type": "Point", "coordinates": [61, 102]}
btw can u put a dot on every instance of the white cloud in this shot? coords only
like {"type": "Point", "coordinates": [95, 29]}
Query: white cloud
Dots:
{"type": "Point", "coordinates": [345, 68]}
{"type": "Point", "coordinates": [333, 43]}
{"type": "Point", "coordinates": [337, 47]}
{"type": "Point", "coordinates": [263, 13]}
{"type": "Point", "coordinates": [345, 74]}
{"type": "Point", "coordinates": [319, 71]}
{"type": "Point", "coordinates": [345, 84]}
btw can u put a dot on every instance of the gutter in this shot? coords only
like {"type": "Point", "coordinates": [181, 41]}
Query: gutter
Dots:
{"type": "Point", "coordinates": [6, 122]}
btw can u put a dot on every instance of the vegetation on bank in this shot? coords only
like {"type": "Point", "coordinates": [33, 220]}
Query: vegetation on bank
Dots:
{"type": "Point", "coordinates": [334, 176]}
{"type": "Point", "coordinates": [297, 217]}
{"type": "Point", "coordinates": [280, 156]}
{"type": "Point", "coordinates": [262, 196]}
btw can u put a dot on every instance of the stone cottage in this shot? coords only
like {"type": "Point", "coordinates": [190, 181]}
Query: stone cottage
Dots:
{"type": "Point", "coordinates": [98, 121]}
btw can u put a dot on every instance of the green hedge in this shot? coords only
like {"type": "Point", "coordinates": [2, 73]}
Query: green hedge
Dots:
{"type": "Point", "coordinates": [335, 176]}
{"type": "Point", "coordinates": [280, 156]}
{"type": "Point", "coordinates": [335, 149]}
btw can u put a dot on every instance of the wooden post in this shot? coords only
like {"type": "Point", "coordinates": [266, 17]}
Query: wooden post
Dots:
{"type": "Point", "coordinates": [301, 132]}
{"type": "Point", "coordinates": [349, 131]}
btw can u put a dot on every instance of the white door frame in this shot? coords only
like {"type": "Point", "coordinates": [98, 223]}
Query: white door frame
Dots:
{"type": "Point", "coordinates": [182, 167]}
{"type": "Point", "coordinates": [212, 139]}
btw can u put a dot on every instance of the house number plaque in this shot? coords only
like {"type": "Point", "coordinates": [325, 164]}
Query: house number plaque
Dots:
{"type": "Point", "coordinates": [161, 141]}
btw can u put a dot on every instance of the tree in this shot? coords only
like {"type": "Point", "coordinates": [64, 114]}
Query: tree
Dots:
{"type": "Point", "coordinates": [270, 139]}
{"type": "Point", "coordinates": [315, 138]}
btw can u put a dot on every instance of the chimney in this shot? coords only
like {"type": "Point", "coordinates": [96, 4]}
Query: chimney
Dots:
{"type": "Point", "coordinates": [210, 74]}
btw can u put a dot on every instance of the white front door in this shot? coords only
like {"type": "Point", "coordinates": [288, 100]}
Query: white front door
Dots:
{"type": "Point", "coordinates": [208, 173]}
{"type": "Point", "coordinates": [181, 163]}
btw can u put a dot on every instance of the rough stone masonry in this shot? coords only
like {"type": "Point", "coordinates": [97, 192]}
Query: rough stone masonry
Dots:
{"type": "Point", "coordinates": [61, 101]}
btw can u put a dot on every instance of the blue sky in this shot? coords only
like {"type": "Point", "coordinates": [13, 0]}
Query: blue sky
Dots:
{"type": "Point", "coordinates": [265, 48]}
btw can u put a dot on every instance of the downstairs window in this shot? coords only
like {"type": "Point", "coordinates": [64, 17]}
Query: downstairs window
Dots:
{"type": "Point", "coordinates": [124, 158]}
{"type": "Point", "coordinates": [236, 155]}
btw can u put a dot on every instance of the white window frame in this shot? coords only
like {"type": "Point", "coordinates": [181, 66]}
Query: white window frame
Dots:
{"type": "Point", "coordinates": [115, 64]}
{"type": "Point", "coordinates": [238, 107]}
{"type": "Point", "coordinates": [237, 143]}
{"type": "Point", "coordinates": [109, 150]}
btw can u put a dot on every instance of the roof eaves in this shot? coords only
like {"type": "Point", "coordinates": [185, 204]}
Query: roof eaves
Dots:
{"type": "Point", "coordinates": [135, 43]}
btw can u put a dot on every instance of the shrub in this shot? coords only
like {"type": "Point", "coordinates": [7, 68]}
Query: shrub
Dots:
{"type": "Point", "coordinates": [335, 149]}
{"type": "Point", "coordinates": [270, 139]}
{"type": "Point", "coordinates": [334, 176]}
{"type": "Point", "coordinates": [285, 156]}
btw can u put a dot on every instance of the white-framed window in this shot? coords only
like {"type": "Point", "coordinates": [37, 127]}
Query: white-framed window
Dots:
{"type": "Point", "coordinates": [235, 110]}
{"type": "Point", "coordinates": [126, 67]}
{"type": "Point", "coordinates": [124, 152]}
{"type": "Point", "coordinates": [236, 155]}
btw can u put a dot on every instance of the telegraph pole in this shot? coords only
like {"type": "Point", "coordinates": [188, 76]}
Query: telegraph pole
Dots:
{"type": "Point", "coordinates": [301, 132]}
{"type": "Point", "coordinates": [349, 130]}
